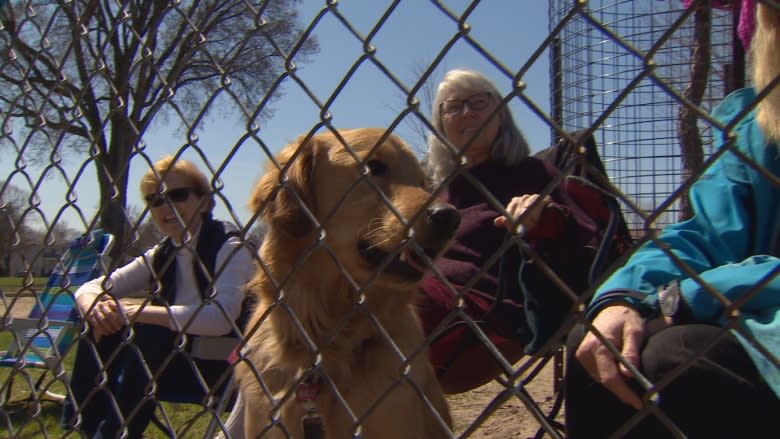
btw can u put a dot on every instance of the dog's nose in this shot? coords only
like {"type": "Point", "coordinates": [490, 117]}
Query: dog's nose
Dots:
{"type": "Point", "coordinates": [444, 218]}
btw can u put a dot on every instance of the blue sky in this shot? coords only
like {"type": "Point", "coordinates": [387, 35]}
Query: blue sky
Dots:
{"type": "Point", "coordinates": [413, 35]}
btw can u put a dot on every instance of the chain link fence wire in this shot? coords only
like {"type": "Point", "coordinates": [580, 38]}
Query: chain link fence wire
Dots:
{"type": "Point", "coordinates": [625, 66]}
{"type": "Point", "coordinates": [85, 85]}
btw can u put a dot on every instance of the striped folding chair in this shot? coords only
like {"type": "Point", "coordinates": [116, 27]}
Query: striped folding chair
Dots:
{"type": "Point", "coordinates": [44, 337]}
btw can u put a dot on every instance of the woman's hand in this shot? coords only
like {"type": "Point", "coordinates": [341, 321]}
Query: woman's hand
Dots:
{"type": "Point", "coordinates": [105, 318]}
{"type": "Point", "coordinates": [624, 328]}
{"type": "Point", "coordinates": [137, 312]}
{"type": "Point", "coordinates": [131, 311]}
{"type": "Point", "coordinates": [518, 206]}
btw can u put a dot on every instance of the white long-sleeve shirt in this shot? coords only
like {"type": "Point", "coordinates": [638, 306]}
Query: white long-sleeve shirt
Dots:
{"type": "Point", "coordinates": [136, 277]}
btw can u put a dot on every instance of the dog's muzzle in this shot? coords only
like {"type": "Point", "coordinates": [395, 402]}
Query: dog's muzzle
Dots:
{"type": "Point", "coordinates": [444, 220]}
{"type": "Point", "coordinates": [440, 223]}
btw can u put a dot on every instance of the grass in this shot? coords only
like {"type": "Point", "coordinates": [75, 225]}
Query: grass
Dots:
{"type": "Point", "coordinates": [11, 284]}
{"type": "Point", "coordinates": [39, 416]}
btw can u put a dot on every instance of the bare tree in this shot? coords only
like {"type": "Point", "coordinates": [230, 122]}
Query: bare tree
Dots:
{"type": "Point", "coordinates": [91, 76]}
{"type": "Point", "coordinates": [21, 240]}
{"type": "Point", "coordinates": [15, 234]}
{"type": "Point", "coordinates": [145, 233]}
{"type": "Point", "coordinates": [425, 95]}
{"type": "Point", "coordinates": [62, 232]}
{"type": "Point", "coordinates": [691, 145]}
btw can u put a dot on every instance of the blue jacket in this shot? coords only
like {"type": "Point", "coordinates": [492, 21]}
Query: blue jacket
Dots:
{"type": "Point", "coordinates": [731, 243]}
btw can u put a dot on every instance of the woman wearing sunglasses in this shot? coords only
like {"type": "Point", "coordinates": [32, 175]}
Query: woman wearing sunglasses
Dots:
{"type": "Point", "coordinates": [192, 282]}
{"type": "Point", "coordinates": [479, 160]}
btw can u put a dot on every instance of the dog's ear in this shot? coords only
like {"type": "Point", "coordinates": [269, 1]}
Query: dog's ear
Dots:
{"type": "Point", "coordinates": [282, 200]}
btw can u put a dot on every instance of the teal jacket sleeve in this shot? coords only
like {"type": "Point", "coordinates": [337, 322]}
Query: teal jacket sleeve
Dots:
{"type": "Point", "coordinates": [740, 282]}
{"type": "Point", "coordinates": [721, 253]}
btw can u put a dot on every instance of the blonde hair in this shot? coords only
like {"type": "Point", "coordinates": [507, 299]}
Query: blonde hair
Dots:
{"type": "Point", "coordinates": [510, 146]}
{"type": "Point", "coordinates": [150, 183]}
{"type": "Point", "coordinates": [765, 56]}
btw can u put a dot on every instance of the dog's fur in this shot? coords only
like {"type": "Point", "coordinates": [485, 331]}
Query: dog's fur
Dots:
{"type": "Point", "coordinates": [336, 289]}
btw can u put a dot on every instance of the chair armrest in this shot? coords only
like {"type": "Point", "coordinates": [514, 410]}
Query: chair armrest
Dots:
{"type": "Point", "coordinates": [36, 345]}
{"type": "Point", "coordinates": [22, 324]}
{"type": "Point", "coordinates": [213, 347]}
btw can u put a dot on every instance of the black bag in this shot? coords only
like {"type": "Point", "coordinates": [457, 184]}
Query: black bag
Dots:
{"type": "Point", "coordinates": [591, 189]}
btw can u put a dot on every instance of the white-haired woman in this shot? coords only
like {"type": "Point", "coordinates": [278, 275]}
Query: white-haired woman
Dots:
{"type": "Point", "coordinates": [709, 344]}
{"type": "Point", "coordinates": [479, 161]}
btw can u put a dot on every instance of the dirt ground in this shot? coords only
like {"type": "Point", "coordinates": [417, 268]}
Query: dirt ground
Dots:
{"type": "Point", "coordinates": [510, 419]}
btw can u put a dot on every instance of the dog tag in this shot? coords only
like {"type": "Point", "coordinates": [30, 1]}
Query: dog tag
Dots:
{"type": "Point", "coordinates": [312, 427]}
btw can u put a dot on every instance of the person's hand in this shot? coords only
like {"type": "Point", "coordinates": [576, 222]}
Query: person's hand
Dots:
{"type": "Point", "coordinates": [105, 318]}
{"type": "Point", "coordinates": [131, 310]}
{"type": "Point", "coordinates": [624, 328]}
{"type": "Point", "coordinates": [518, 206]}
{"type": "Point", "coordinates": [657, 324]}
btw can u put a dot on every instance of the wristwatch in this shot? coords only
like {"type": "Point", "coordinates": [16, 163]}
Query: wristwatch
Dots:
{"type": "Point", "coordinates": [669, 298]}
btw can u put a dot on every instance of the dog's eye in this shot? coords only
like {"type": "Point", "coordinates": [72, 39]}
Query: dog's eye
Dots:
{"type": "Point", "coordinates": [376, 168]}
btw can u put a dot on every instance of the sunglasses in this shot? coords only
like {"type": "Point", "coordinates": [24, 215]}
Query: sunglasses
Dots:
{"type": "Point", "coordinates": [178, 195]}
{"type": "Point", "coordinates": [475, 102]}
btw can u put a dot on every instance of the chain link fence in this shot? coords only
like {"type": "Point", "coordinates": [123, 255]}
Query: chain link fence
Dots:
{"type": "Point", "coordinates": [639, 137]}
{"type": "Point", "coordinates": [91, 89]}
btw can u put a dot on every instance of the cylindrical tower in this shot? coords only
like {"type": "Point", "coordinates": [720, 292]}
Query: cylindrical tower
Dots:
{"type": "Point", "coordinates": [617, 65]}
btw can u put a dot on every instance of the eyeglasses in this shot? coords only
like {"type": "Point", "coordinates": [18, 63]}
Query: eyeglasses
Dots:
{"type": "Point", "coordinates": [178, 195]}
{"type": "Point", "coordinates": [475, 102]}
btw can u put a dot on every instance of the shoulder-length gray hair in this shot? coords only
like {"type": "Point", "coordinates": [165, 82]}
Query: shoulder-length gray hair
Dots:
{"type": "Point", "coordinates": [510, 146]}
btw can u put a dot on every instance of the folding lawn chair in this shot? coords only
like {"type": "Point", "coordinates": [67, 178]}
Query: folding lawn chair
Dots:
{"type": "Point", "coordinates": [44, 337]}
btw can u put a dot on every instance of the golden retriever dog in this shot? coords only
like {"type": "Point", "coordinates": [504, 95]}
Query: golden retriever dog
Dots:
{"type": "Point", "coordinates": [335, 347]}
